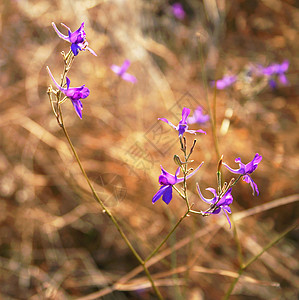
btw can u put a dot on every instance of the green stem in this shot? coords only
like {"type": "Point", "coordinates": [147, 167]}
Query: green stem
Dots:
{"type": "Point", "coordinates": [106, 210]}
{"type": "Point", "coordinates": [253, 259]}
{"type": "Point", "coordinates": [68, 59]}
{"type": "Point", "coordinates": [167, 237]}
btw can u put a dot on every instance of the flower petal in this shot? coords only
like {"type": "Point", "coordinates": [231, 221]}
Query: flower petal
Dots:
{"type": "Point", "coordinates": [210, 201]}
{"type": "Point", "coordinates": [158, 195]}
{"type": "Point", "coordinates": [253, 185]}
{"type": "Point", "coordinates": [129, 77]}
{"type": "Point", "coordinates": [230, 225]}
{"type": "Point", "coordinates": [181, 179]}
{"type": "Point", "coordinates": [125, 66]}
{"type": "Point", "coordinates": [55, 82]}
{"type": "Point", "coordinates": [167, 195]}
{"type": "Point", "coordinates": [75, 49]}
{"type": "Point", "coordinates": [185, 114]}
{"type": "Point", "coordinates": [78, 107]}
{"type": "Point", "coordinates": [235, 171]}
{"type": "Point", "coordinates": [91, 51]}
{"type": "Point", "coordinates": [195, 131]}
{"type": "Point", "coordinates": [116, 69]}
{"type": "Point", "coordinates": [169, 123]}
{"type": "Point", "coordinates": [62, 36]}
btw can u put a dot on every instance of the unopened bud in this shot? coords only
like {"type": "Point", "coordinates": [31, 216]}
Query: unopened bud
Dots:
{"type": "Point", "coordinates": [220, 164]}
{"type": "Point", "coordinates": [177, 160]}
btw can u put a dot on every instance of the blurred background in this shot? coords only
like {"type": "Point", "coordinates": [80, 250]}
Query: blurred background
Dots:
{"type": "Point", "coordinates": [55, 242]}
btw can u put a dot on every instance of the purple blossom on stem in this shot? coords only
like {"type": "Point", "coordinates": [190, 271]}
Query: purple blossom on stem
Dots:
{"type": "Point", "coordinates": [121, 71]}
{"type": "Point", "coordinates": [166, 181]}
{"type": "Point", "coordinates": [182, 126]}
{"type": "Point", "coordinates": [76, 38]}
{"type": "Point", "coordinates": [225, 82]}
{"type": "Point", "coordinates": [276, 70]}
{"type": "Point", "coordinates": [216, 204]}
{"type": "Point", "coordinates": [74, 94]}
{"type": "Point", "coordinates": [178, 11]}
{"type": "Point", "coordinates": [247, 169]}
{"type": "Point", "coordinates": [198, 117]}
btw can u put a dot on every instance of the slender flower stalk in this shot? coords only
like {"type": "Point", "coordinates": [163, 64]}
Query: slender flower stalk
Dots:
{"type": "Point", "coordinates": [58, 113]}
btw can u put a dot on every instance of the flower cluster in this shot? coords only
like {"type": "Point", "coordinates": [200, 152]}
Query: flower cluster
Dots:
{"type": "Point", "coordinates": [275, 70]}
{"type": "Point", "coordinates": [271, 73]}
{"type": "Point", "coordinates": [223, 198]}
{"type": "Point", "coordinates": [79, 43]}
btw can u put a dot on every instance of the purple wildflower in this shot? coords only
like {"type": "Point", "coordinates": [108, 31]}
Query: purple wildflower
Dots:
{"type": "Point", "coordinates": [276, 70]}
{"type": "Point", "coordinates": [183, 126]}
{"type": "Point", "coordinates": [76, 38]}
{"type": "Point", "coordinates": [198, 117]}
{"type": "Point", "coordinates": [75, 94]}
{"type": "Point", "coordinates": [226, 81]}
{"type": "Point", "coordinates": [216, 204]}
{"type": "Point", "coordinates": [245, 170]}
{"type": "Point", "coordinates": [121, 71]}
{"type": "Point", "coordinates": [178, 11]}
{"type": "Point", "coordinates": [166, 181]}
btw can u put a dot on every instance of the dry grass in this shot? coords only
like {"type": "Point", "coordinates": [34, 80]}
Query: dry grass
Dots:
{"type": "Point", "coordinates": [55, 243]}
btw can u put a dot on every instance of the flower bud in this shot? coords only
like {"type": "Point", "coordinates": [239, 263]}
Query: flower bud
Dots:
{"type": "Point", "coordinates": [177, 160]}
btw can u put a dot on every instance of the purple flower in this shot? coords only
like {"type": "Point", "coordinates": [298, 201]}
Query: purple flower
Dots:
{"type": "Point", "coordinates": [198, 117]}
{"type": "Point", "coordinates": [226, 81]}
{"type": "Point", "coordinates": [276, 70]}
{"type": "Point", "coordinates": [76, 38]}
{"type": "Point", "coordinates": [245, 170]}
{"type": "Point", "coordinates": [217, 205]}
{"type": "Point", "coordinates": [166, 181]}
{"type": "Point", "coordinates": [178, 11]}
{"type": "Point", "coordinates": [75, 94]}
{"type": "Point", "coordinates": [121, 71]}
{"type": "Point", "coordinates": [183, 126]}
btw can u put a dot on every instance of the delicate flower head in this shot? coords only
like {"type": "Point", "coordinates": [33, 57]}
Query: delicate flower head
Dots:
{"type": "Point", "coordinates": [225, 82]}
{"type": "Point", "coordinates": [76, 38]}
{"type": "Point", "coordinates": [121, 71]}
{"type": "Point", "coordinates": [198, 117]}
{"type": "Point", "coordinates": [166, 181]}
{"type": "Point", "coordinates": [274, 70]}
{"type": "Point", "coordinates": [247, 169]}
{"type": "Point", "coordinates": [74, 94]}
{"type": "Point", "coordinates": [178, 11]}
{"type": "Point", "coordinates": [182, 126]}
{"type": "Point", "coordinates": [216, 204]}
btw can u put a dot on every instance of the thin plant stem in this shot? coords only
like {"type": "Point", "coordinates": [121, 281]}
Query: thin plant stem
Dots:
{"type": "Point", "coordinates": [236, 237]}
{"type": "Point", "coordinates": [68, 59]}
{"type": "Point", "coordinates": [253, 259]}
{"type": "Point", "coordinates": [109, 214]}
{"type": "Point", "coordinates": [167, 237]}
